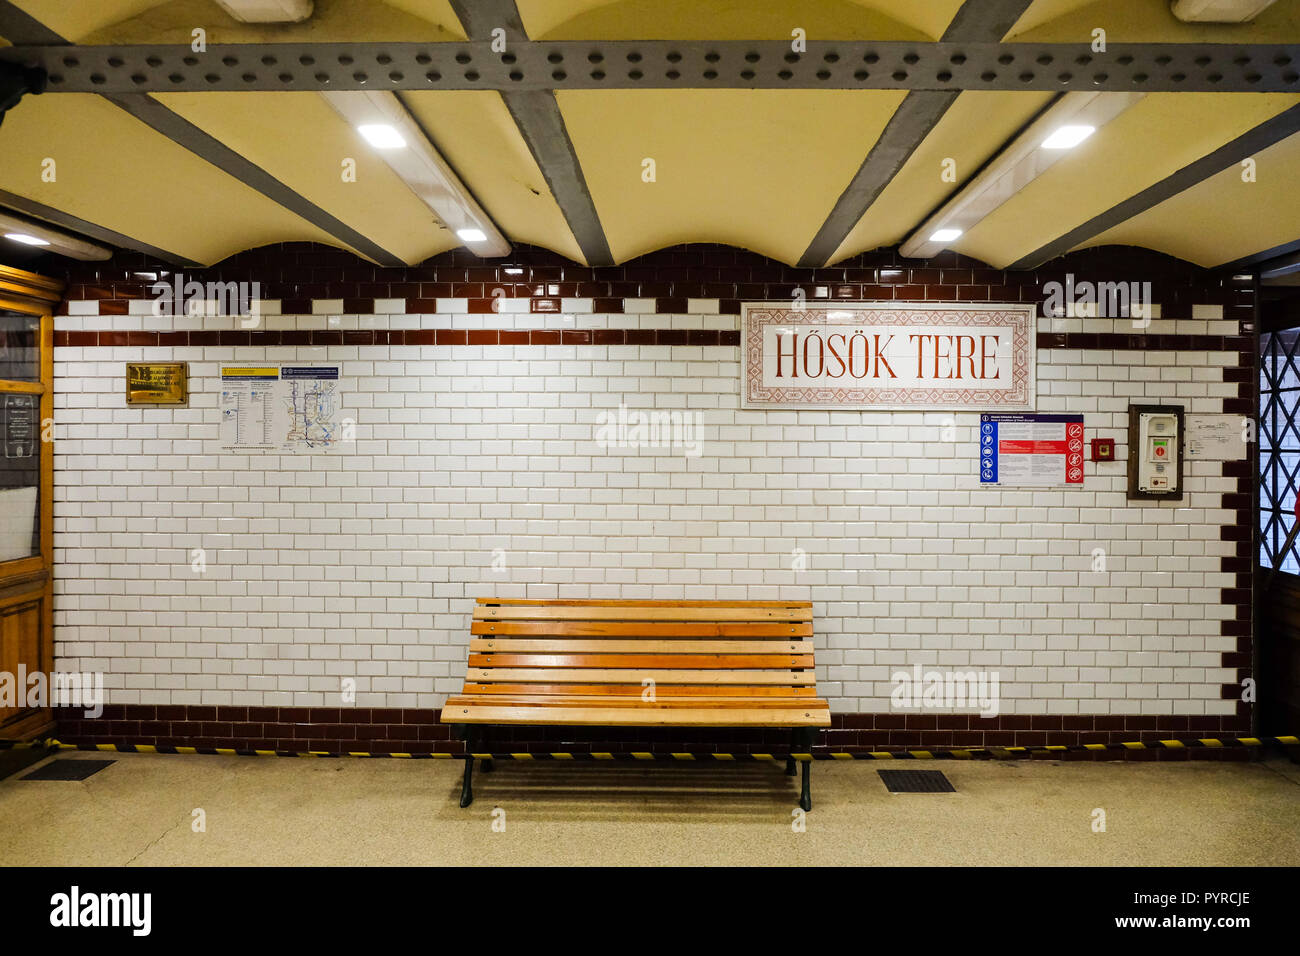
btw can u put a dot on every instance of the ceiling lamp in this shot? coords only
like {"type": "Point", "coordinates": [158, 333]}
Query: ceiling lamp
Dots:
{"type": "Point", "coordinates": [29, 232]}
{"type": "Point", "coordinates": [1064, 125]}
{"type": "Point", "coordinates": [384, 122]}
{"type": "Point", "coordinates": [1219, 11]}
{"type": "Point", "coordinates": [267, 11]}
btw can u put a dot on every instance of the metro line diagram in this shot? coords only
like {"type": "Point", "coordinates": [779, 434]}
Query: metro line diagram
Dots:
{"type": "Point", "coordinates": [311, 406]}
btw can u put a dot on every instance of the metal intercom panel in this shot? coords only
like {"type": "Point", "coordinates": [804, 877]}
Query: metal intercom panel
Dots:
{"type": "Point", "coordinates": [1155, 452]}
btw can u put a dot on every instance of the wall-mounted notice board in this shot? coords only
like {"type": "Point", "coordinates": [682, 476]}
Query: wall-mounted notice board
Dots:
{"type": "Point", "coordinates": [1031, 450]}
{"type": "Point", "coordinates": [281, 408]}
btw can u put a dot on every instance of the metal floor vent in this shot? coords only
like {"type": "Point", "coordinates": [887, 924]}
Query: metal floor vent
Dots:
{"type": "Point", "coordinates": [68, 769]}
{"type": "Point", "coordinates": [916, 781]}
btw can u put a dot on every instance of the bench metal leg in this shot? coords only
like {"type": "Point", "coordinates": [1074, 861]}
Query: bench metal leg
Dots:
{"type": "Point", "coordinates": [801, 741]}
{"type": "Point", "coordinates": [472, 735]}
{"type": "Point", "coordinates": [789, 766]}
{"type": "Point", "coordinates": [467, 786]}
{"type": "Point", "coordinates": [486, 765]}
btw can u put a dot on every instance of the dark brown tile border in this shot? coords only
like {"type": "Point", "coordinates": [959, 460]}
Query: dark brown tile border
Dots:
{"type": "Point", "coordinates": [388, 730]}
{"type": "Point", "coordinates": [662, 336]}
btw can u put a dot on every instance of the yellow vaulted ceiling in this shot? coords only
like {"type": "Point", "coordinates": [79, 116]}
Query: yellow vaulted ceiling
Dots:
{"type": "Point", "coordinates": [171, 21]}
{"type": "Point", "coordinates": [755, 170]}
{"type": "Point", "coordinates": [301, 141]}
{"type": "Point", "coordinates": [1159, 135]}
{"type": "Point", "coordinates": [118, 173]}
{"type": "Point", "coordinates": [1226, 217]}
{"type": "Point", "coordinates": [971, 131]}
{"type": "Point", "coordinates": [476, 134]}
{"type": "Point", "coordinates": [761, 169]}
{"type": "Point", "coordinates": [735, 19]}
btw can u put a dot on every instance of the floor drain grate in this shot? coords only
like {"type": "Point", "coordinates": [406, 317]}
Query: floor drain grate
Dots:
{"type": "Point", "coordinates": [916, 781]}
{"type": "Point", "coordinates": [68, 770]}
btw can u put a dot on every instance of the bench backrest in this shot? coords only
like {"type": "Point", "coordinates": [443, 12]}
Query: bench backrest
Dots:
{"type": "Point", "coordinates": [688, 648]}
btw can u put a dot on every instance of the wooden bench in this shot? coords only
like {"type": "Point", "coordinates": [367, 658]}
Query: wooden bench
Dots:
{"type": "Point", "coordinates": [640, 664]}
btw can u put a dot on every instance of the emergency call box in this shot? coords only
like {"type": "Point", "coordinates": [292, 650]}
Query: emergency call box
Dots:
{"type": "Point", "coordinates": [1155, 452]}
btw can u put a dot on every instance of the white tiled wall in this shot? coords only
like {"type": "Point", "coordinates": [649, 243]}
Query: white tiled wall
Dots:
{"type": "Point", "coordinates": [363, 563]}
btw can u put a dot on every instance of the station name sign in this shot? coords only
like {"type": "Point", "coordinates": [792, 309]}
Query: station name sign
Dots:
{"type": "Point", "coordinates": [888, 355]}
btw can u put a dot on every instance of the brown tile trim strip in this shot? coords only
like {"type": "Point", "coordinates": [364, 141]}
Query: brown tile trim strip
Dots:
{"type": "Point", "coordinates": [338, 730]}
{"type": "Point", "coordinates": [271, 337]}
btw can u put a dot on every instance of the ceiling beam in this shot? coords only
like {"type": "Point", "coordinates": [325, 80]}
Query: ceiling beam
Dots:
{"type": "Point", "coordinates": [17, 26]}
{"type": "Point", "coordinates": [184, 133]}
{"type": "Point", "coordinates": [1271, 131]}
{"type": "Point", "coordinates": [529, 65]}
{"type": "Point", "coordinates": [916, 116]}
{"type": "Point", "coordinates": [22, 29]}
{"type": "Point", "coordinates": [90, 230]}
{"type": "Point", "coordinates": [1261, 258]}
{"type": "Point", "coordinates": [906, 129]}
{"type": "Point", "coordinates": [537, 115]}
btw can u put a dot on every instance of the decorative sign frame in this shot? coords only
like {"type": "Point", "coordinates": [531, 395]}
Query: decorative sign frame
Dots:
{"type": "Point", "coordinates": [913, 355]}
{"type": "Point", "coordinates": [158, 383]}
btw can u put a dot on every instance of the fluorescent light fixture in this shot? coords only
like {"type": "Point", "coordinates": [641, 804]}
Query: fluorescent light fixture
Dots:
{"type": "Point", "coordinates": [33, 232]}
{"type": "Point", "coordinates": [944, 235]}
{"type": "Point", "coordinates": [1068, 137]}
{"type": "Point", "coordinates": [268, 11]}
{"type": "Point", "coordinates": [1021, 162]}
{"type": "Point", "coordinates": [26, 239]}
{"type": "Point", "coordinates": [514, 271]}
{"type": "Point", "coordinates": [422, 168]}
{"type": "Point", "coordinates": [1218, 11]}
{"type": "Point", "coordinates": [381, 136]}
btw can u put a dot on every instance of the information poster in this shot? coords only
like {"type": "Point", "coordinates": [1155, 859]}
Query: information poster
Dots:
{"type": "Point", "coordinates": [1215, 437]}
{"type": "Point", "coordinates": [20, 426]}
{"type": "Point", "coordinates": [1031, 450]}
{"type": "Point", "coordinates": [280, 408]}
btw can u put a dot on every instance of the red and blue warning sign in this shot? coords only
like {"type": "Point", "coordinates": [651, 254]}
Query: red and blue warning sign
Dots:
{"type": "Point", "coordinates": [1031, 450]}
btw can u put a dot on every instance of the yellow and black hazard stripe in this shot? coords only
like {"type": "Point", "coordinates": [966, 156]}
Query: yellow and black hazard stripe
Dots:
{"type": "Point", "coordinates": [965, 753]}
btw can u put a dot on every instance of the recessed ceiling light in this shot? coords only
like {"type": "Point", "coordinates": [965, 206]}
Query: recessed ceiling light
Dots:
{"type": "Point", "coordinates": [1067, 137]}
{"type": "Point", "coordinates": [514, 271]}
{"type": "Point", "coordinates": [381, 136]}
{"type": "Point", "coordinates": [944, 235]}
{"type": "Point", "coordinates": [26, 239]}
{"type": "Point", "coordinates": [471, 235]}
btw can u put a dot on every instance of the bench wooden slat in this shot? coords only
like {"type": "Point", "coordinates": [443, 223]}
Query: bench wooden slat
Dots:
{"type": "Point", "coordinates": [720, 661]}
{"type": "Point", "coordinates": [638, 613]}
{"type": "Point", "coordinates": [479, 713]}
{"type": "Point", "coordinates": [597, 700]}
{"type": "Point", "coordinates": [662, 691]}
{"type": "Point", "coordinates": [538, 645]}
{"type": "Point", "coordinates": [591, 675]}
{"type": "Point", "coordinates": [606, 602]}
{"type": "Point", "coordinates": [644, 628]}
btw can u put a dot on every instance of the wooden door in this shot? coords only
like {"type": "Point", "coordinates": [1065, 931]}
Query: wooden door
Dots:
{"type": "Point", "coordinates": [26, 499]}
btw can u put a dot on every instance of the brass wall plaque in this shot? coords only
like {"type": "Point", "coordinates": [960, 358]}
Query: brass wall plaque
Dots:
{"type": "Point", "coordinates": [157, 383]}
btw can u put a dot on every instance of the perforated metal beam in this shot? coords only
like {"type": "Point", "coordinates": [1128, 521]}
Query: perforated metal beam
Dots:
{"type": "Point", "coordinates": [661, 64]}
